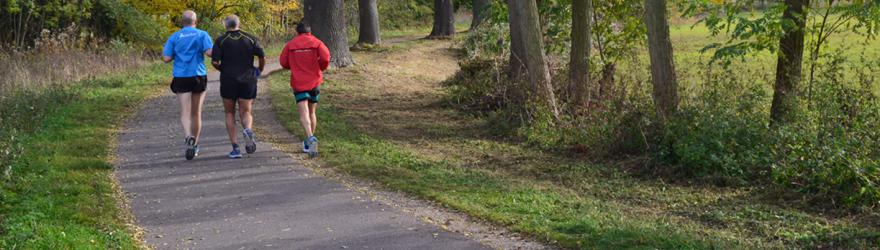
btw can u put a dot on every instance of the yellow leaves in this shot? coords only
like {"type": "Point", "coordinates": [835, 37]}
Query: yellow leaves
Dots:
{"type": "Point", "coordinates": [282, 6]}
{"type": "Point", "coordinates": [717, 1]}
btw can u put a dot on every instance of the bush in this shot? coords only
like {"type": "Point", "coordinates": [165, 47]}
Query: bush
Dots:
{"type": "Point", "coordinates": [833, 151]}
{"type": "Point", "coordinates": [720, 132]}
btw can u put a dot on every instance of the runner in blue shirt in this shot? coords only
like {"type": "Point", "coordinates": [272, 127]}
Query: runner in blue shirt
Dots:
{"type": "Point", "coordinates": [187, 49]}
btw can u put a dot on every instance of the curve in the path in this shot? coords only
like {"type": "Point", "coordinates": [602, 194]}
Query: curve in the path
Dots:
{"type": "Point", "coordinates": [267, 200]}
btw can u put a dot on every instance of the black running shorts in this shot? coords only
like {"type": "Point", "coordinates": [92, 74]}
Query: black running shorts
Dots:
{"type": "Point", "coordinates": [231, 88]}
{"type": "Point", "coordinates": [195, 84]}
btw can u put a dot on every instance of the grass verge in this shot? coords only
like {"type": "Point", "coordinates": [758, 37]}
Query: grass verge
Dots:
{"type": "Point", "coordinates": [550, 213]}
{"type": "Point", "coordinates": [57, 189]}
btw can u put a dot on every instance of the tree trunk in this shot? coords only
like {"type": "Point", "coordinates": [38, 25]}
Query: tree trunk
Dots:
{"type": "Point", "coordinates": [662, 64]}
{"type": "Point", "coordinates": [328, 24]}
{"type": "Point", "coordinates": [789, 62]}
{"type": "Point", "coordinates": [517, 50]}
{"type": "Point", "coordinates": [369, 22]}
{"type": "Point", "coordinates": [444, 19]}
{"type": "Point", "coordinates": [579, 66]}
{"type": "Point", "coordinates": [607, 82]}
{"type": "Point", "coordinates": [532, 41]}
{"type": "Point", "coordinates": [479, 12]}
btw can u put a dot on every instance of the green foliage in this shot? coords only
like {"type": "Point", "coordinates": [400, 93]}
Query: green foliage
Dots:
{"type": "Point", "coordinates": [616, 31]}
{"type": "Point", "coordinates": [125, 22]}
{"type": "Point", "coordinates": [720, 132]}
{"type": "Point", "coordinates": [394, 15]}
{"type": "Point", "coordinates": [834, 150]}
{"type": "Point", "coordinates": [748, 33]}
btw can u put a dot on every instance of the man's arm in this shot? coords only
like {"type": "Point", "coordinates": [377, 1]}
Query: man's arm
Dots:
{"type": "Point", "coordinates": [207, 44]}
{"type": "Point", "coordinates": [323, 57]}
{"type": "Point", "coordinates": [217, 56]}
{"type": "Point", "coordinates": [258, 51]}
{"type": "Point", "coordinates": [283, 58]}
{"type": "Point", "coordinates": [168, 50]}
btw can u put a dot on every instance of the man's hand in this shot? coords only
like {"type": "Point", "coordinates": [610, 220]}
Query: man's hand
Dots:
{"type": "Point", "coordinates": [262, 64]}
{"type": "Point", "coordinates": [167, 59]}
{"type": "Point", "coordinates": [216, 64]}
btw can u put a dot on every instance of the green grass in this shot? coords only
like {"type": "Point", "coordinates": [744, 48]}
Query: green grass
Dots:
{"type": "Point", "coordinates": [58, 191]}
{"type": "Point", "coordinates": [545, 211]}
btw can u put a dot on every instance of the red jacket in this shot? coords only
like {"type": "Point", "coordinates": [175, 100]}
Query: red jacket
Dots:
{"type": "Point", "coordinates": [307, 58]}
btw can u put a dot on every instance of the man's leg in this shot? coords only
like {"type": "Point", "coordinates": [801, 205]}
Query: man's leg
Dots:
{"type": "Point", "coordinates": [247, 120]}
{"type": "Point", "coordinates": [245, 112]}
{"type": "Point", "coordinates": [198, 99]}
{"type": "Point", "coordinates": [229, 106]}
{"type": "Point", "coordinates": [313, 107]}
{"type": "Point", "coordinates": [186, 112]}
{"type": "Point", "coordinates": [305, 117]}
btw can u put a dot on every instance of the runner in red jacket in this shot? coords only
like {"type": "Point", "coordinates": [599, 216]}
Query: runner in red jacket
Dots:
{"type": "Point", "coordinates": [307, 58]}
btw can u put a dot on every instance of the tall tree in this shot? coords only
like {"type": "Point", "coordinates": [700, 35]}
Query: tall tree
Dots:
{"type": "Point", "coordinates": [479, 9]}
{"type": "Point", "coordinates": [369, 22]}
{"type": "Point", "coordinates": [579, 66]}
{"type": "Point", "coordinates": [517, 50]}
{"type": "Point", "coordinates": [444, 19]}
{"type": "Point", "coordinates": [662, 64]}
{"type": "Point", "coordinates": [328, 25]}
{"type": "Point", "coordinates": [531, 38]}
{"type": "Point", "coordinates": [789, 61]}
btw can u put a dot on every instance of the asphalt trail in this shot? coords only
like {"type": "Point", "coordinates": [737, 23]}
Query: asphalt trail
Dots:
{"type": "Point", "coordinates": [266, 200]}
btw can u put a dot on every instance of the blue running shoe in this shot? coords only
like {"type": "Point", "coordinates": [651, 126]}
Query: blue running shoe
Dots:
{"type": "Point", "coordinates": [196, 149]}
{"type": "Point", "coordinates": [306, 146]}
{"type": "Point", "coordinates": [235, 154]}
{"type": "Point", "coordinates": [251, 145]}
{"type": "Point", "coordinates": [313, 146]}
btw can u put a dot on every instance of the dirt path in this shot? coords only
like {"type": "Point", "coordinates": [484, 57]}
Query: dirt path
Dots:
{"type": "Point", "coordinates": [405, 84]}
{"type": "Point", "coordinates": [266, 200]}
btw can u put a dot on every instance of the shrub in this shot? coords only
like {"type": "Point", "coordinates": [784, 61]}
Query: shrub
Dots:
{"type": "Point", "coordinates": [719, 132]}
{"type": "Point", "coordinates": [833, 151]}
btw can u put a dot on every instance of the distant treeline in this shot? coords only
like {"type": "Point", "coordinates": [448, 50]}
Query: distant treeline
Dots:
{"type": "Point", "coordinates": [143, 22]}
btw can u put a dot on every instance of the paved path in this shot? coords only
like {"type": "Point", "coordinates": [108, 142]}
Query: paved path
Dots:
{"type": "Point", "coordinates": [265, 201]}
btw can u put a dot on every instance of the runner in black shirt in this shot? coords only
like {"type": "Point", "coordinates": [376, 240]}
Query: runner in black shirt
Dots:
{"type": "Point", "coordinates": [234, 56]}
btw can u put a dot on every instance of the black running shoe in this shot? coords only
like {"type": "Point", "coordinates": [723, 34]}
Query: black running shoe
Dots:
{"type": "Point", "coordinates": [251, 145]}
{"type": "Point", "coordinates": [191, 148]}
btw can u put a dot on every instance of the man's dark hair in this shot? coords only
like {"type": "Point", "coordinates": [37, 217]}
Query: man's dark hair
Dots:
{"type": "Point", "coordinates": [303, 27]}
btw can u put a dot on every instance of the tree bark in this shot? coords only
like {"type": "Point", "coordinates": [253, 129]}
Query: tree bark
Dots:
{"type": "Point", "coordinates": [368, 33]}
{"type": "Point", "coordinates": [789, 62]}
{"type": "Point", "coordinates": [328, 24]}
{"type": "Point", "coordinates": [579, 66]}
{"type": "Point", "coordinates": [517, 50]}
{"type": "Point", "coordinates": [532, 41]}
{"type": "Point", "coordinates": [444, 19]}
{"type": "Point", "coordinates": [479, 12]}
{"type": "Point", "coordinates": [662, 64]}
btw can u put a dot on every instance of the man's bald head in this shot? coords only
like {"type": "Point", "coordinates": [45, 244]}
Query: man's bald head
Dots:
{"type": "Point", "coordinates": [189, 18]}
